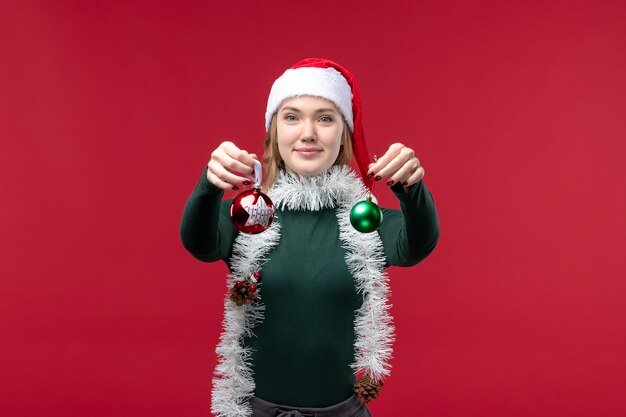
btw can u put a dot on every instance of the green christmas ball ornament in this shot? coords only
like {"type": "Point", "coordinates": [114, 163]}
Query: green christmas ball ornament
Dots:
{"type": "Point", "coordinates": [366, 216]}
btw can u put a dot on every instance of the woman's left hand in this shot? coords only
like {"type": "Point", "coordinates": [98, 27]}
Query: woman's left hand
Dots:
{"type": "Point", "coordinates": [399, 164]}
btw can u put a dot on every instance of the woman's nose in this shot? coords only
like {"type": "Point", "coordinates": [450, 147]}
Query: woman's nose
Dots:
{"type": "Point", "coordinates": [308, 131]}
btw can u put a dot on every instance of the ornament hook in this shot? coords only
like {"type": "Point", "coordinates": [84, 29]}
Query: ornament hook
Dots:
{"type": "Point", "coordinates": [258, 174]}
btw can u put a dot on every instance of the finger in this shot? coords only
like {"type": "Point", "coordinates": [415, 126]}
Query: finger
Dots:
{"type": "Point", "coordinates": [238, 155]}
{"type": "Point", "coordinates": [415, 177]}
{"type": "Point", "coordinates": [386, 159]}
{"type": "Point", "coordinates": [223, 176]}
{"type": "Point", "coordinates": [215, 180]}
{"type": "Point", "coordinates": [404, 172]}
{"type": "Point", "coordinates": [224, 158]}
{"type": "Point", "coordinates": [405, 161]}
{"type": "Point", "coordinates": [382, 161]}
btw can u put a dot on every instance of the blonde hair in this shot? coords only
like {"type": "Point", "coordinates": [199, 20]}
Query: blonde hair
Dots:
{"type": "Point", "coordinates": [273, 163]}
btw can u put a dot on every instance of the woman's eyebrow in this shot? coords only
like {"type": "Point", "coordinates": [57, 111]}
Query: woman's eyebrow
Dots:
{"type": "Point", "coordinates": [325, 110]}
{"type": "Point", "coordinates": [289, 108]}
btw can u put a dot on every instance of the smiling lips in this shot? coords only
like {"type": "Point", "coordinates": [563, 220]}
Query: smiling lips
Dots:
{"type": "Point", "coordinates": [308, 152]}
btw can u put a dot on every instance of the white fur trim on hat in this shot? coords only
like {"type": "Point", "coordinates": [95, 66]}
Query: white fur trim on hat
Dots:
{"type": "Point", "coordinates": [327, 83]}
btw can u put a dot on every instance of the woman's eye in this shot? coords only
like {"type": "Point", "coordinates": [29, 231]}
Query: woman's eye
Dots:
{"type": "Point", "coordinates": [326, 119]}
{"type": "Point", "coordinates": [290, 117]}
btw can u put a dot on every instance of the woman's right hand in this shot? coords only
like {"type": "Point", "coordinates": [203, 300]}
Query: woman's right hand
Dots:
{"type": "Point", "coordinates": [226, 161]}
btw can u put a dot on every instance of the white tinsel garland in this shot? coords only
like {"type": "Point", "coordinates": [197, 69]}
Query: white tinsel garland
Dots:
{"type": "Point", "coordinates": [338, 188]}
{"type": "Point", "coordinates": [233, 384]}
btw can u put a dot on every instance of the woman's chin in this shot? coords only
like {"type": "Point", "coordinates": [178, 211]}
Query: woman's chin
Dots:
{"type": "Point", "coordinates": [305, 170]}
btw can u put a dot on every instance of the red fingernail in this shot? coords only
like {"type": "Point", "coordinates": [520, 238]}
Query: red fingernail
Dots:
{"type": "Point", "coordinates": [378, 178]}
{"type": "Point", "coordinates": [390, 183]}
{"type": "Point", "coordinates": [370, 175]}
{"type": "Point", "coordinates": [235, 188]}
{"type": "Point", "coordinates": [246, 182]}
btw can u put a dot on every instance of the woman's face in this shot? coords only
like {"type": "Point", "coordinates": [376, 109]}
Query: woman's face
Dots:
{"type": "Point", "coordinates": [309, 134]}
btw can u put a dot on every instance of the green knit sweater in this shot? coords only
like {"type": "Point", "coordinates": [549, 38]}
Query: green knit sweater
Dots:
{"type": "Point", "coordinates": [303, 349]}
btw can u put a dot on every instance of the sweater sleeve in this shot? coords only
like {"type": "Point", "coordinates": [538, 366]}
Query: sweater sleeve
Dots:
{"type": "Point", "coordinates": [411, 234]}
{"type": "Point", "coordinates": [206, 229]}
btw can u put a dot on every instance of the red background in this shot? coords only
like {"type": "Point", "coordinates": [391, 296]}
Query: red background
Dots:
{"type": "Point", "coordinates": [108, 113]}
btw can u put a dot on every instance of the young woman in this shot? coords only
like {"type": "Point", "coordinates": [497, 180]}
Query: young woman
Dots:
{"type": "Point", "coordinates": [320, 321]}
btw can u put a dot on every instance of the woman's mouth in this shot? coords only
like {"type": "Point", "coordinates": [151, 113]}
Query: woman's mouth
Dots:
{"type": "Point", "coordinates": [308, 152]}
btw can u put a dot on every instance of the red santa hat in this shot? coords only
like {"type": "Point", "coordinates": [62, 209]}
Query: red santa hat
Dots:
{"type": "Point", "coordinates": [326, 79]}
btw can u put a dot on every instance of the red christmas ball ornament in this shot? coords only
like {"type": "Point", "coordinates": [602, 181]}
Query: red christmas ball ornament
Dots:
{"type": "Point", "coordinates": [252, 211]}
{"type": "Point", "coordinates": [257, 275]}
{"type": "Point", "coordinates": [252, 287]}
{"type": "Point", "coordinates": [239, 284]}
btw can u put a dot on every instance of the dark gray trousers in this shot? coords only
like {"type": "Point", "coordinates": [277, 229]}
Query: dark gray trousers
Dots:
{"type": "Point", "coordinates": [352, 407]}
